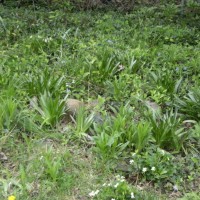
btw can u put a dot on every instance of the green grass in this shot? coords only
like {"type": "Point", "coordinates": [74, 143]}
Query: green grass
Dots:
{"type": "Point", "coordinates": [124, 60]}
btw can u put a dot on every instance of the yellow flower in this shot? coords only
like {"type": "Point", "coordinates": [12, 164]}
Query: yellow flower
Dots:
{"type": "Point", "coordinates": [11, 197]}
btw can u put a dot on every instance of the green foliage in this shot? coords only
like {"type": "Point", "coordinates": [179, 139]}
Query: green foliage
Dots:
{"type": "Point", "coordinates": [105, 67]}
{"type": "Point", "coordinates": [119, 133]}
{"type": "Point", "coordinates": [167, 131]}
{"type": "Point", "coordinates": [52, 165]}
{"type": "Point", "coordinates": [164, 85]}
{"type": "Point", "coordinates": [141, 135]}
{"type": "Point", "coordinates": [119, 189]}
{"type": "Point", "coordinates": [38, 84]}
{"type": "Point", "coordinates": [154, 164]}
{"type": "Point", "coordinates": [83, 122]}
{"type": "Point", "coordinates": [191, 195]}
{"type": "Point", "coordinates": [49, 52]}
{"type": "Point", "coordinates": [190, 104]}
{"type": "Point", "coordinates": [109, 146]}
{"type": "Point", "coordinates": [196, 131]}
{"type": "Point", "coordinates": [50, 109]}
{"type": "Point", "coordinates": [9, 114]}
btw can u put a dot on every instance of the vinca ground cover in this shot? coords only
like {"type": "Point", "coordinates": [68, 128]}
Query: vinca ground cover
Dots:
{"type": "Point", "coordinates": [137, 135]}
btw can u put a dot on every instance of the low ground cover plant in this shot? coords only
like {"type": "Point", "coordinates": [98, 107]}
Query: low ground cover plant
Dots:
{"type": "Point", "coordinates": [134, 74]}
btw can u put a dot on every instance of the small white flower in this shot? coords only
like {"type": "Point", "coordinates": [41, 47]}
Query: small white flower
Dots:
{"type": "Point", "coordinates": [116, 185]}
{"type": "Point", "coordinates": [122, 177]}
{"type": "Point", "coordinates": [93, 193]}
{"type": "Point", "coordinates": [144, 169]}
{"type": "Point", "coordinates": [153, 169]}
{"type": "Point", "coordinates": [131, 162]}
{"type": "Point", "coordinates": [162, 152]}
{"type": "Point", "coordinates": [104, 185]}
{"type": "Point", "coordinates": [96, 192]}
{"type": "Point", "coordinates": [175, 188]}
{"type": "Point", "coordinates": [132, 195]}
{"type": "Point", "coordinates": [133, 154]}
{"type": "Point", "coordinates": [109, 184]}
{"type": "Point", "coordinates": [112, 199]}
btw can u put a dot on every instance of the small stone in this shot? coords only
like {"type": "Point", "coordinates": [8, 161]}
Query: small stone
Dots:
{"type": "Point", "coordinates": [152, 105]}
{"type": "Point", "coordinates": [3, 157]}
{"type": "Point", "coordinates": [74, 105]}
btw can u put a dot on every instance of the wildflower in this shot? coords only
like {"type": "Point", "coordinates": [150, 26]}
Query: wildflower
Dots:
{"type": "Point", "coordinates": [93, 193]}
{"type": "Point", "coordinates": [120, 178]}
{"type": "Point", "coordinates": [117, 176]}
{"type": "Point", "coordinates": [153, 169]}
{"type": "Point", "coordinates": [112, 199]}
{"type": "Point", "coordinates": [161, 151]}
{"type": "Point", "coordinates": [116, 185]}
{"type": "Point", "coordinates": [175, 188]}
{"type": "Point", "coordinates": [133, 154]}
{"type": "Point", "coordinates": [144, 169]}
{"type": "Point", "coordinates": [131, 162]}
{"type": "Point", "coordinates": [104, 185]}
{"type": "Point", "coordinates": [41, 157]}
{"type": "Point", "coordinates": [67, 85]}
{"type": "Point", "coordinates": [132, 195]}
{"type": "Point", "coordinates": [11, 197]}
{"type": "Point", "coordinates": [96, 192]}
{"type": "Point", "coordinates": [109, 184]}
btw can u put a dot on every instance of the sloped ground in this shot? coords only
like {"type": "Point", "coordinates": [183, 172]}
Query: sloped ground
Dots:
{"type": "Point", "coordinates": [135, 64]}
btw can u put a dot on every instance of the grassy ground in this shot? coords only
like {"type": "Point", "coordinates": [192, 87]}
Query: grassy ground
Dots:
{"type": "Point", "coordinates": [142, 139]}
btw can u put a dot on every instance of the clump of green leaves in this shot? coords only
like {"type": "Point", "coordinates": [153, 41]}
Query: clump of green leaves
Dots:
{"type": "Point", "coordinates": [120, 132]}
{"type": "Point", "coordinates": [50, 109]}
{"type": "Point", "coordinates": [37, 84]}
{"type": "Point", "coordinates": [166, 130]}
{"type": "Point", "coordinates": [9, 113]}
{"type": "Point", "coordinates": [165, 88]}
{"type": "Point", "coordinates": [190, 104]}
{"type": "Point", "coordinates": [155, 164]}
{"type": "Point", "coordinates": [83, 122]}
